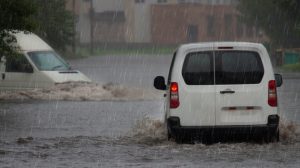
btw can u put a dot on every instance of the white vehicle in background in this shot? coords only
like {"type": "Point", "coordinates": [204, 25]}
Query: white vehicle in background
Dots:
{"type": "Point", "coordinates": [221, 89]}
{"type": "Point", "coordinates": [36, 66]}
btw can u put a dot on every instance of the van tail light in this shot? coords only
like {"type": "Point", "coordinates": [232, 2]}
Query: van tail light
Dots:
{"type": "Point", "coordinates": [272, 95]}
{"type": "Point", "coordinates": [174, 95]}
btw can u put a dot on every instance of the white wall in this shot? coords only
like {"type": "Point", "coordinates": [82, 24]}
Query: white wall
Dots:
{"type": "Point", "coordinates": [142, 30]}
{"type": "Point", "coordinates": [108, 5]}
{"type": "Point", "coordinates": [83, 25]}
{"type": "Point", "coordinates": [211, 2]}
{"type": "Point", "coordinates": [142, 21]}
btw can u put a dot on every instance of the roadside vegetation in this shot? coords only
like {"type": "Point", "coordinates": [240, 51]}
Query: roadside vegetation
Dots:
{"type": "Point", "coordinates": [279, 19]}
{"type": "Point", "coordinates": [14, 15]}
{"type": "Point", "coordinates": [291, 67]}
{"type": "Point", "coordinates": [84, 52]}
{"type": "Point", "coordinates": [47, 18]}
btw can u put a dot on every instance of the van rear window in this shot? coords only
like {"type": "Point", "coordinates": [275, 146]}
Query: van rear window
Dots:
{"type": "Point", "coordinates": [238, 67]}
{"type": "Point", "coordinates": [198, 69]}
{"type": "Point", "coordinates": [231, 67]}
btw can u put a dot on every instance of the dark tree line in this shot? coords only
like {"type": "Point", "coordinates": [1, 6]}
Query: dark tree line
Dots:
{"type": "Point", "coordinates": [279, 19]}
{"type": "Point", "coordinates": [55, 23]}
{"type": "Point", "coordinates": [47, 18]}
{"type": "Point", "coordinates": [15, 15]}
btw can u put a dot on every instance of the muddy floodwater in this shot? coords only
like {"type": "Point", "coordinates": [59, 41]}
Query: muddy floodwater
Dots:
{"type": "Point", "coordinates": [124, 127]}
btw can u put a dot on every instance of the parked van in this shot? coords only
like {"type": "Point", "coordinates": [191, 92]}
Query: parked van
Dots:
{"type": "Point", "coordinates": [221, 89]}
{"type": "Point", "coordinates": [36, 66]}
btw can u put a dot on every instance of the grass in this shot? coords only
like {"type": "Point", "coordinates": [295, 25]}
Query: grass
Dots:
{"type": "Point", "coordinates": [291, 67]}
{"type": "Point", "coordinates": [85, 52]}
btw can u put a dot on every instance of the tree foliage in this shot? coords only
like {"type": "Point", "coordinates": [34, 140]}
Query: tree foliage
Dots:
{"type": "Point", "coordinates": [280, 19]}
{"type": "Point", "coordinates": [47, 18]}
{"type": "Point", "coordinates": [55, 23]}
{"type": "Point", "coordinates": [15, 15]}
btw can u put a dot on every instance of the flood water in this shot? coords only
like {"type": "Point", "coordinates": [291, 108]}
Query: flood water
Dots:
{"type": "Point", "coordinates": [129, 133]}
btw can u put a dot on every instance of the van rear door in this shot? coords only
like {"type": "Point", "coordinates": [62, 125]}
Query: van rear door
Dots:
{"type": "Point", "coordinates": [240, 93]}
{"type": "Point", "coordinates": [197, 92]}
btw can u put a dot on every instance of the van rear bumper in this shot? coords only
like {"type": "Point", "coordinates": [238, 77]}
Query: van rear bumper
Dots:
{"type": "Point", "coordinates": [175, 129]}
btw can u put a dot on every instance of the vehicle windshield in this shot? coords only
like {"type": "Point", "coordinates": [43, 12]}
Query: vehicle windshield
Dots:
{"type": "Point", "coordinates": [48, 61]}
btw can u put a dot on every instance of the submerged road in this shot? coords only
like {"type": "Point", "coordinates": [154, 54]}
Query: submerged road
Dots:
{"type": "Point", "coordinates": [128, 133]}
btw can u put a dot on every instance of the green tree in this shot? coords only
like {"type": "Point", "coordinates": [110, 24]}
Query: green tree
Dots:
{"type": "Point", "coordinates": [47, 18]}
{"type": "Point", "coordinates": [292, 10]}
{"type": "Point", "coordinates": [55, 23]}
{"type": "Point", "coordinates": [15, 15]}
{"type": "Point", "coordinates": [279, 19]}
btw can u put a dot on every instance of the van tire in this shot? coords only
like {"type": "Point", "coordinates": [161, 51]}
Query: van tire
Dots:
{"type": "Point", "coordinates": [275, 137]}
{"type": "Point", "coordinates": [271, 137]}
{"type": "Point", "coordinates": [278, 136]}
{"type": "Point", "coordinates": [179, 139]}
{"type": "Point", "coordinates": [169, 136]}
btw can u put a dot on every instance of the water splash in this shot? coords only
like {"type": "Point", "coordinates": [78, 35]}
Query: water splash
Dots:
{"type": "Point", "coordinates": [81, 91]}
{"type": "Point", "coordinates": [149, 131]}
{"type": "Point", "coordinates": [289, 131]}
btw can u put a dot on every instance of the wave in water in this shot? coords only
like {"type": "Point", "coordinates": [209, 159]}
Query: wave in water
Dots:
{"type": "Point", "coordinates": [80, 91]}
{"type": "Point", "coordinates": [149, 131]}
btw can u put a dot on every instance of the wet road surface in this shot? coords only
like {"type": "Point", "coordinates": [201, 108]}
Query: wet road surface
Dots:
{"type": "Point", "coordinates": [127, 133]}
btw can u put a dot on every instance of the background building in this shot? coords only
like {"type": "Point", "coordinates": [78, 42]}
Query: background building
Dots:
{"type": "Point", "coordinates": [138, 15]}
{"type": "Point", "coordinates": [210, 2]}
{"type": "Point", "coordinates": [100, 20]}
{"type": "Point", "coordinates": [178, 23]}
{"type": "Point", "coordinates": [160, 21]}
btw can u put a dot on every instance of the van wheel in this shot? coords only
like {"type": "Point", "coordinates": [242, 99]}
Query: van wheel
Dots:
{"type": "Point", "coordinates": [277, 136]}
{"type": "Point", "coordinates": [272, 137]}
{"type": "Point", "coordinates": [178, 139]}
{"type": "Point", "coordinates": [169, 136]}
{"type": "Point", "coordinates": [266, 138]}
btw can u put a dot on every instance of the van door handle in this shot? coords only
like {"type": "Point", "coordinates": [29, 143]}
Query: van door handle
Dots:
{"type": "Point", "coordinates": [3, 76]}
{"type": "Point", "coordinates": [227, 92]}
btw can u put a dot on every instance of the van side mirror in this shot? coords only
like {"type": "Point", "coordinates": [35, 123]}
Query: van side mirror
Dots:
{"type": "Point", "coordinates": [159, 83]}
{"type": "Point", "coordinates": [28, 68]}
{"type": "Point", "coordinates": [278, 79]}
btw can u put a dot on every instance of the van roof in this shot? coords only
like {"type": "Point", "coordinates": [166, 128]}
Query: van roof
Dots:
{"type": "Point", "coordinates": [30, 42]}
{"type": "Point", "coordinates": [215, 45]}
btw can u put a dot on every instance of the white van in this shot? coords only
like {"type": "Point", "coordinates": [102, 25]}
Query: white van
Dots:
{"type": "Point", "coordinates": [37, 66]}
{"type": "Point", "coordinates": [221, 89]}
